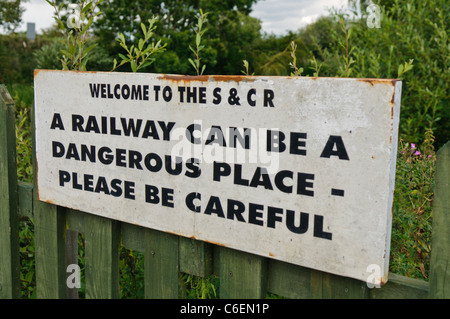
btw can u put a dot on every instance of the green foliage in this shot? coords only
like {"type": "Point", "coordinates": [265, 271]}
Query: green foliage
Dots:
{"type": "Point", "coordinates": [403, 68]}
{"type": "Point", "coordinates": [293, 64]}
{"type": "Point", "coordinates": [131, 274]}
{"type": "Point", "coordinates": [47, 57]}
{"type": "Point", "coordinates": [345, 68]}
{"type": "Point", "coordinates": [138, 56]}
{"type": "Point", "coordinates": [199, 31]}
{"type": "Point", "coordinates": [199, 287]}
{"type": "Point", "coordinates": [412, 214]}
{"type": "Point", "coordinates": [74, 53]}
{"type": "Point", "coordinates": [23, 96]}
{"type": "Point", "coordinates": [23, 147]}
{"type": "Point", "coordinates": [27, 260]}
{"type": "Point", "coordinates": [246, 68]}
{"type": "Point", "coordinates": [229, 40]}
{"type": "Point", "coordinates": [10, 14]}
{"type": "Point", "coordinates": [16, 58]}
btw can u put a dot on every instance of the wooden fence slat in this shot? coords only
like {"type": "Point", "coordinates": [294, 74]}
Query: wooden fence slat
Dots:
{"type": "Point", "coordinates": [25, 191]}
{"type": "Point", "coordinates": [102, 239]}
{"type": "Point", "coordinates": [242, 275]}
{"type": "Point", "coordinates": [196, 257]}
{"type": "Point", "coordinates": [161, 263]}
{"type": "Point", "coordinates": [292, 281]}
{"type": "Point", "coordinates": [338, 287]}
{"type": "Point", "coordinates": [9, 231]}
{"type": "Point", "coordinates": [49, 241]}
{"type": "Point", "coordinates": [440, 239]}
{"type": "Point", "coordinates": [133, 237]}
{"type": "Point", "coordinates": [400, 287]}
{"type": "Point", "coordinates": [71, 258]}
{"type": "Point", "coordinates": [75, 220]}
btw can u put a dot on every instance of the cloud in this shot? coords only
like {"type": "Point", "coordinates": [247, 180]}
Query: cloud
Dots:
{"type": "Point", "coordinates": [39, 12]}
{"type": "Point", "coordinates": [278, 17]}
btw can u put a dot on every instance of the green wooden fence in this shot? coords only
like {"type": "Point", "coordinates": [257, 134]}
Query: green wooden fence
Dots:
{"type": "Point", "coordinates": [241, 275]}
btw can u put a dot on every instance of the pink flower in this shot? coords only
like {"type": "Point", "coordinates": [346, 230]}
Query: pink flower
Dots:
{"type": "Point", "coordinates": [413, 146]}
{"type": "Point", "coordinates": [429, 156]}
{"type": "Point", "coordinates": [417, 153]}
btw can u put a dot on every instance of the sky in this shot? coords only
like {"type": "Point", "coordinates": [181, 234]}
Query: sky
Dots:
{"type": "Point", "coordinates": [277, 16]}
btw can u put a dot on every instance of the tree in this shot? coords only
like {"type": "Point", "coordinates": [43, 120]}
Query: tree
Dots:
{"type": "Point", "coordinates": [10, 14]}
{"type": "Point", "coordinates": [228, 39]}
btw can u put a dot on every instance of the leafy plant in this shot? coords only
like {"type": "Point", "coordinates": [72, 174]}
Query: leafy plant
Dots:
{"type": "Point", "coordinates": [74, 54]}
{"type": "Point", "coordinates": [47, 57]}
{"type": "Point", "coordinates": [246, 67]}
{"type": "Point", "coordinates": [199, 31]}
{"type": "Point", "coordinates": [403, 68]}
{"type": "Point", "coordinates": [138, 56]}
{"type": "Point", "coordinates": [200, 288]}
{"type": "Point", "coordinates": [412, 216]}
{"type": "Point", "coordinates": [316, 67]}
{"type": "Point", "coordinates": [23, 147]}
{"type": "Point", "coordinates": [27, 260]}
{"type": "Point", "coordinates": [346, 69]}
{"type": "Point", "coordinates": [293, 64]}
{"type": "Point", "coordinates": [131, 274]}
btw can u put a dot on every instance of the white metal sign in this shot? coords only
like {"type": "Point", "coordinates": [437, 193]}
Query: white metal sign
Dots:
{"type": "Point", "coordinates": [297, 169]}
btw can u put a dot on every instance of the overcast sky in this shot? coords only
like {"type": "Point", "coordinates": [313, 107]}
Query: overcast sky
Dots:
{"type": "Point", "coordinates": [277, 16]}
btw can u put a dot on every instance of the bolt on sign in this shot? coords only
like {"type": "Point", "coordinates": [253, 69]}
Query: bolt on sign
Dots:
{"type": "Point", "coordinates": [296, 169]}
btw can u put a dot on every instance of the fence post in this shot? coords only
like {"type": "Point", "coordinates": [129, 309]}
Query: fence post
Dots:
{"type": "Point", "coordinates": [440, 242]}
{"type": "Point", "coordinates": [49, 241]}
{"type": "Point", "coordinates": [9, 224]}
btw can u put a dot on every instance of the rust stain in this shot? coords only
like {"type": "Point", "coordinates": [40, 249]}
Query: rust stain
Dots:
{"type": "Point", "coordinates": [370, 81]}
{"type": "Point", "coordinates": [373, 81]}
{"type": "Point", "coordinates": [206, 78]}
{"type": "Point", "coordinates": [233, 78]}
{"type": "Point", "coordinates": [392, 211]}
{"type": "Point", "coordinates": [50, 201]}
{"type": "Point", "coordinates": [393, 98]}
{"type": "Point", "coordinates": [215, 243]}
{"type": "Point", "coordinates": [93, 72]}
{"type": "Point", "coordinates": [195, 238]}
{"type": "Point", "coordinates": [37, 71]}
{"type": "Point", "coordinates": [271, 255]}
{"type": "Point", "coordinates": [384, 280]}
{"type": "Point", "coordinates": [183, 78]}
{"type": "Point", "coordinates": [392, 104]}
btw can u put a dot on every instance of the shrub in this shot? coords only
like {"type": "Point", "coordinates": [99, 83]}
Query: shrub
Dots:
{"type": "Point", "coordinates": [412, 215]}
